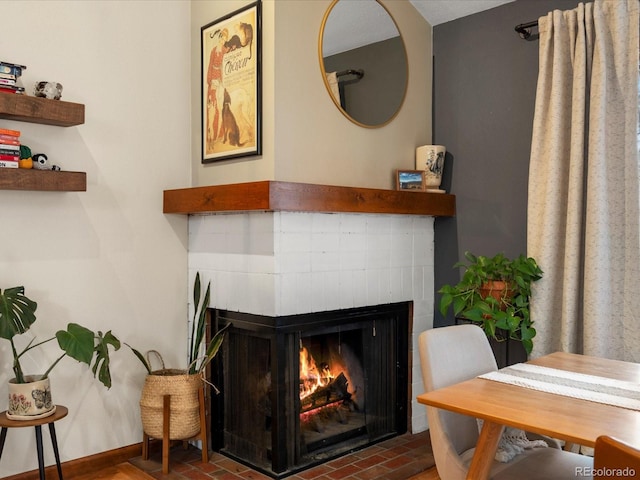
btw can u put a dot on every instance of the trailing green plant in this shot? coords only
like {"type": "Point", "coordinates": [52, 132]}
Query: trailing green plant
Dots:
{"type": "Point", "coordinates": [197, 360]}
{"type": "Point", "coordinates": [17, 314]}
{"type": "Point", "coordinates": [507, 310]}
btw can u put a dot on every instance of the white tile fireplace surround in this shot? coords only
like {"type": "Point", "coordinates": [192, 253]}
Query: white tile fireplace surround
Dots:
{"type": "Point", "coordinates": [278, 263]}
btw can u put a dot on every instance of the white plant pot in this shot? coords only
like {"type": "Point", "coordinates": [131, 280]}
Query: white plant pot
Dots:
{"type": "Point", "coordinates": [30, 400]}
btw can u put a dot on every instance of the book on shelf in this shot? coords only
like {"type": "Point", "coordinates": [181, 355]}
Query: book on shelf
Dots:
{"type": "Point", "coordinates": [8, 76]}
{"type": "Point", "coordinates": [11, 89]}
{"type": "Point", "coordinates": [10, 142]}
{"type": "Point", "coordinates": [8, 163]}
{"type": "Point", "coordinates": [8, 151]}
{"type": "Point", "coordinates": [6, 81]}
{"type": "Point", "coordinates": [9, 146]}
{"type": "Point", "coordinates": [11, 68]}
{"type": "Point", "coordinates": [9, 157]}
{"type": "Point", "coordinates": [9, 138]}
{"type": "Point", "coordinates": [9, 132]}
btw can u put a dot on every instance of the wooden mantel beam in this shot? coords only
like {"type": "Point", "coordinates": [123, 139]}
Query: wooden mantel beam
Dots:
{"type": "Point", "coordinates": [304, 197]}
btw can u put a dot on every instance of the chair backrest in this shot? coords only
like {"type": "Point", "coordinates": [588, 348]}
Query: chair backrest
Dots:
{"type": "Point", "coordinates": [611, 455]}
{"type": "Point", "coordinates": [450, 355]}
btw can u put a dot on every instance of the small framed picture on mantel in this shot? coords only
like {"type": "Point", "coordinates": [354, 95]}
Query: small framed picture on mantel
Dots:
{"type": "Point", "coordinates": [231, 85]}
{"type": "Point", "coordinates": [410, 180]}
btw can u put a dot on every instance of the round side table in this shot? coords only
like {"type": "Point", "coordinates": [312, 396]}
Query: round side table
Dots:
{"type": "Point", "coordinates": [6, 423]}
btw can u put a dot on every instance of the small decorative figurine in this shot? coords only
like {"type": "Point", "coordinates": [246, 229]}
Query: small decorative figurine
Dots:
{"type": "Point", "coordinates": [25, 157]}
{"type": "Point", "coordinates": [40, 161]}
{"type": "Point", "coordinates": [50, 90]}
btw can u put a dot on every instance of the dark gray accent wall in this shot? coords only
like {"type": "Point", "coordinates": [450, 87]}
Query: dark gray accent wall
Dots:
{"type": "Point", "coordinates": [485, 80]}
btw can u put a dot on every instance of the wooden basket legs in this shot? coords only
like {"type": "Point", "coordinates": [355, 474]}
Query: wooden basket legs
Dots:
{"type": "Point", "coordinates": [203, 428]}
{"type": "Point", "coordinates": [166, 442]}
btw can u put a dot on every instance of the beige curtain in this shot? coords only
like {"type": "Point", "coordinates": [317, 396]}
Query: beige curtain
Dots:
{"type": "Point", "coordinates": [332, 78]}
{"type": "Point", "coordinates": [584, 200]}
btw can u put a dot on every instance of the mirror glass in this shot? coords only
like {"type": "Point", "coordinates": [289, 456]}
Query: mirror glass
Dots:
{"type": "Point", "coordinates": [363, 61]}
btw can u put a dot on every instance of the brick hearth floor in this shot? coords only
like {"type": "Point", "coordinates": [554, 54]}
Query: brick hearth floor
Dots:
{"type": "Point", "coordinates": [399, 458]}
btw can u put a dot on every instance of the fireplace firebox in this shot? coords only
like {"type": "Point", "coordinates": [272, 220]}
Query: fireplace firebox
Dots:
{"type": "Point", "coordinates": [299, 390]}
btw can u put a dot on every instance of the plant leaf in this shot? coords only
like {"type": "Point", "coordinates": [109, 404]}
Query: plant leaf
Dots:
{"type": "Point", "coordinates": [196, 291]}
{"type": "Point", "coordinates": [141, 358]}
{"type": "Point", "coordinates": [527, 333]}
{"type": "Point", "coordinates": [17, 312]}
{"type": "Point", "coordinates": [502, 323]}
{"type": "Point", "coordinates": [196, 305]}
{"type": "Point", "coordinates": [459, 304]}
{"type": "Point", "coordinates": [101, 362]}
{"type": "Point", "coordinates": [77, 342]}
{"type": "Point", "coordinates": [513, 323]}
{"type": "Point", "coordinates": [200, 327]}
{"type": "Point", "coordinates": [213, 347]}
{"type": "Point", "coordinates": [445, 301]}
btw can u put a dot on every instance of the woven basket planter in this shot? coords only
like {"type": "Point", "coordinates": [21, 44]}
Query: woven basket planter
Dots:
{"type": "Point", "coordinates": [184, 416]}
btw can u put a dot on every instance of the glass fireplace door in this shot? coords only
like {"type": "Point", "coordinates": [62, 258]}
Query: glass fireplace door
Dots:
{"type": "Point", "coordinates": [300, 390]}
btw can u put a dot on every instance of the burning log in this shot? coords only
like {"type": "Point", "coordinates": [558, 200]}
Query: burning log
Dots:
{"type": "Point", "coordinates": [335, 391]}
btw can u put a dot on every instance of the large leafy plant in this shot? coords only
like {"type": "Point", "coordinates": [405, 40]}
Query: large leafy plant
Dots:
{"type": "Point", "coordinates": [17, 314]}
{"type": "Point", "coordinates": [502, 312]}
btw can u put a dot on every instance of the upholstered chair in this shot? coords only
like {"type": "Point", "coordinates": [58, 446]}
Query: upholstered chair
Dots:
{"type": "Point", "coordinates": [450, 355]}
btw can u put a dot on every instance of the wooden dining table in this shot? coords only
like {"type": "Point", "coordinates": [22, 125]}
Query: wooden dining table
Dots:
{"type": "Point", "coordinates": [571, 419]}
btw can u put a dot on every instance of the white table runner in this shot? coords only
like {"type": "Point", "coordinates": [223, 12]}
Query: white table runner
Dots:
{"type": "Point", "coordinates": [570, 384]}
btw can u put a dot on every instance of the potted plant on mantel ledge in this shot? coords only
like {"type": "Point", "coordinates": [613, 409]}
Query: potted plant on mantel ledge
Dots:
{"type": "Point", "coordinates": [30, 395]}
{"type": "Point", "coordinates": [495, 294]}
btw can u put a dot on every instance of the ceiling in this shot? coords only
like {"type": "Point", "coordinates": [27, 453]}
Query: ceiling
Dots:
{"type": "Point", "coordinates": [442, 11]}
{"type": "Point", "coordinates": [349, 25]}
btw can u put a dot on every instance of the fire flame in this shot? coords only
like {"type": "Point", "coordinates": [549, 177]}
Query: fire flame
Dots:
{"type": "Point", "coordinates": [312, 376]}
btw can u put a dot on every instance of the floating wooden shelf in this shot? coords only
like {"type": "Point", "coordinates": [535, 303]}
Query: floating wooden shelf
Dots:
{"type": "Point", "coordinates": [40, 110]}
{"type": "Point", "coordinates": [48, 112]}
{"type": "Point", "coordinates": [47, 180]}
{"type": "Point", "coordinates": [303, 197]}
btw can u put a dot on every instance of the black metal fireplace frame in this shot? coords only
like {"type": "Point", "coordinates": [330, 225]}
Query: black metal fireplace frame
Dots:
{"type": "Point", "coordinates": [278, 329]}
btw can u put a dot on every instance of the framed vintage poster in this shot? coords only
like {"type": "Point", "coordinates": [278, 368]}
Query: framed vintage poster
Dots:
{"type": "Point", "coordinates": [231, 85]}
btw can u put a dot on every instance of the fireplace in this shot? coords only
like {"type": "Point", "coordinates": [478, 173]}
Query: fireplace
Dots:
{"type": "Point", "coordinates": [299, 390]}
{"type": "Point", "coordinates": [281, 264]}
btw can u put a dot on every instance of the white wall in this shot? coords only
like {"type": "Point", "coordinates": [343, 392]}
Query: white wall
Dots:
{"type": "Point", "coordinates": [305, 137]}
{"type": "Point", "coordinates": [106, 258]}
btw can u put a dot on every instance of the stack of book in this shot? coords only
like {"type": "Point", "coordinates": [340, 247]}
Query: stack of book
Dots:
{"type": "Point", "coordinates": [10, 77]}
{"type": "Point", "coordinates": [9, 148]}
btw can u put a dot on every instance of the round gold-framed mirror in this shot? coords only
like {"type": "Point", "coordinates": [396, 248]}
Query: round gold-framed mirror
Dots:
{"type": "Point", "coordinates": [363, 61]}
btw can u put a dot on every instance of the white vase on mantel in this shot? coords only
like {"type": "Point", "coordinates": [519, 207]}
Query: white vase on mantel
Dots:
{"type": "Point", "coordinates": [430, 159]}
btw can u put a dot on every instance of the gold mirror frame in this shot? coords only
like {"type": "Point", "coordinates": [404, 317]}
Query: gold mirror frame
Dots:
{"type": "Point", "coordinates": [326, 82]}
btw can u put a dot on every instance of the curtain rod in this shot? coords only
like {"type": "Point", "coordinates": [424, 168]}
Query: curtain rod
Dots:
{"type": "Point", "coordinates": [524, 29]}
{"type": "Point", "coordinates": [351, 71]}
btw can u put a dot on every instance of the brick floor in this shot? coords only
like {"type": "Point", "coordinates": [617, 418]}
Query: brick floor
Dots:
{"type": "Point", "coordinates": [399, 458]}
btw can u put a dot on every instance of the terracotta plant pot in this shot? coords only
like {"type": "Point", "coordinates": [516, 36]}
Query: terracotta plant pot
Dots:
{"type": "Point", "coordinates": [496, 289]}
{"type": "Point", "coordinates": [30, 400]}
